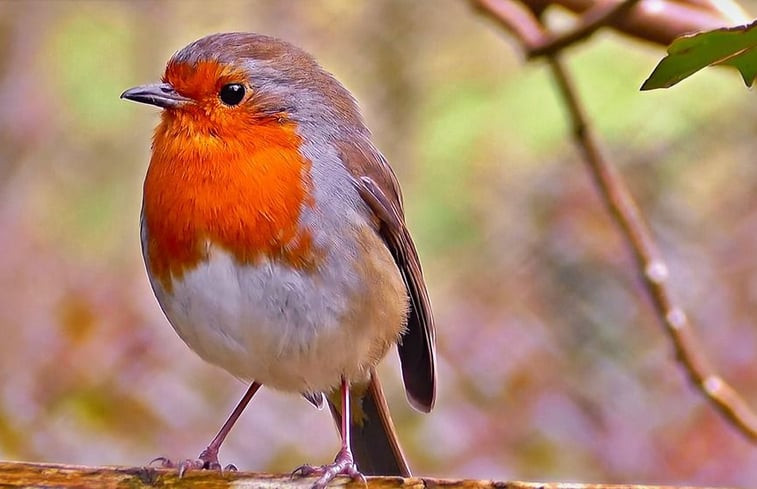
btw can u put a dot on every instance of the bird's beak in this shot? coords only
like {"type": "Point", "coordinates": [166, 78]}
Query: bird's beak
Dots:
{"type": "Point", "coordinates": [159, 94]}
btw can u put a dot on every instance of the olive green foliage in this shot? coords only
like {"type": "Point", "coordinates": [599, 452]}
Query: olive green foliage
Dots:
{"type": "Point", "coordinates": [734, 46]}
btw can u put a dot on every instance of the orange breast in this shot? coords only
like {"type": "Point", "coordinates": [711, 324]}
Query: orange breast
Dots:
{"type": "Point", "coordinates": [242, 190]}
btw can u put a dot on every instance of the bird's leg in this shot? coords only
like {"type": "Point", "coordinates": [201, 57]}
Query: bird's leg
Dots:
{"type": "Point", "coordinates": [208, 458]}
{"type": "Point", "coordinates": [344, 463]}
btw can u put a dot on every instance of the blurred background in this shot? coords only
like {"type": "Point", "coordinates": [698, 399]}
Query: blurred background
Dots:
{"type": "Point", "coordinates": [552, 366]}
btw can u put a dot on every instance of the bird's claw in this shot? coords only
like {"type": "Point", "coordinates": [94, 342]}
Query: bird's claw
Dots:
{"type": "Point", "coordinates": [197, 464]}
{"type": "Point", "coordinates": [303, 470]}
{"type": "Point", "coordinates": [343, 465]}
{"type": "Point", "coordinates": [165, 463]}
{"type": "Point", "coordinates": [208, 460]}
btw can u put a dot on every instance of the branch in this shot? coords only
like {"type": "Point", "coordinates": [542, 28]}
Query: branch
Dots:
{"type": "Point", "coordinates": [591, 21]}
{"type": "Point", "coordinates": [652, 268]}
{"type": "Point", "coordinates": [650, 265]}
{"type": "Point", "coordinates": [657, 21]}
{"type": "Point", "coordinates": [523, 24]}
{"type": "Point", "coordinates": [729, 10]}
{"type": "Point", "coordinates": [43, 476]}
{"type": "Point", "coordinates": [516, 19]}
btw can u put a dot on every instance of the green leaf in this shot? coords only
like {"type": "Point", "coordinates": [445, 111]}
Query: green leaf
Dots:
{"type": "Point", "coordinates": [732, 46]}
{"type": "Point", "coordinates": [746, 63]}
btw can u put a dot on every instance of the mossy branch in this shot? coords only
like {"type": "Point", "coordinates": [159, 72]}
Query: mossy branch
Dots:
{"type": "Point", "coordinates": [34, 475]}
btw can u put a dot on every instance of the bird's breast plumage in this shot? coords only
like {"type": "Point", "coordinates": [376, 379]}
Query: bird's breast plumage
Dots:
{"type": "Point", "coordinates": [243, 194]}
{"type": "Point", "coordinates": [265, 260]}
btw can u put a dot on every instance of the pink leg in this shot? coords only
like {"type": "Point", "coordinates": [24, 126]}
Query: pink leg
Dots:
{"type": "Point", "coordinates": [344, 463]}
{"type": "Point", "coordinates": [208, 458]}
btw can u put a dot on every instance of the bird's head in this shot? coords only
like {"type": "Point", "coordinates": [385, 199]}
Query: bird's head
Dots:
{"type": "Point", "coordinates": [224, 83]}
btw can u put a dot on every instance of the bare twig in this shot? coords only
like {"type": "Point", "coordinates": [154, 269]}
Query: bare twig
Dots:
{"type": "Point", "coordinates": [657, 21]}
{"type": "Point", "coordinates": [728, 9]}
{"type": "Point", "coordinates": [590, 22]}
{"type": "Point", "coordinates": [523, 24]}
{"type": "Point", "coordinates": [650, 265]}
{"type": "Point", "coordinates": [652, 268]}
{"type": "Point", "coordinates": [516, 18]}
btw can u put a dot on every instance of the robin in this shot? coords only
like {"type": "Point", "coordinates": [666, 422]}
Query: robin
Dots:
{"type": "Point", "coordinates": [274, 239]}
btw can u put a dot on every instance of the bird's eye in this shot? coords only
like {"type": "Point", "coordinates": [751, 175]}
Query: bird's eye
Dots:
{"type": "Point", "coordinates": [231, 94]}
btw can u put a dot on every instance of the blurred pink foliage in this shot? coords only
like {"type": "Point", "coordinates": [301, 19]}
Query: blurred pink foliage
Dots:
{"type": "Point", "coordinates": [552, 366]}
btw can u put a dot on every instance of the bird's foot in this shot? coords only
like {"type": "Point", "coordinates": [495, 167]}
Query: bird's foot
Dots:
{"type": "Point", "coordinates": [208, 460]}
{"type": "Point", "coordinates": [343, 464]}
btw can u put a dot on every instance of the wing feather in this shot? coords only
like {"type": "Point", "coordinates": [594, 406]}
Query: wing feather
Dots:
{"type": "Point", "coordinates": [378, 187]}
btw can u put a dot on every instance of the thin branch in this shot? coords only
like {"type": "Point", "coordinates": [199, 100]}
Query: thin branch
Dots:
{"type": "Point", "coordinates": [652, 268]}
{"type": "Point", "coordinates": [660, 21]}
{"type": "Point", "coordinates": [516, 18]}
{"type": "Point", "coordinates": [523, 24]}
{"type": "Point", "coordinates": [728, 9]}
{"type": "Point", "coordinates": [657, 21]}
{"type": "Point", "coordinates": [590, 22]}
{"type": "Point", "coordinates": [650, 265]}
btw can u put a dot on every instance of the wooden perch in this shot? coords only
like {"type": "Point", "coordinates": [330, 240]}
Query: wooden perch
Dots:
{"type": "Point", "coordinates": [29, 475]}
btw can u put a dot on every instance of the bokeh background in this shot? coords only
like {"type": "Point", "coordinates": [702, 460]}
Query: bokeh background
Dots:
{"type": "Point", "coordinates": [551, 365]}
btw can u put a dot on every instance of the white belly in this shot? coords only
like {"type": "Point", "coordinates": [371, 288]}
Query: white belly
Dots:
{"type": "Point", "coordinates": [287, 328]}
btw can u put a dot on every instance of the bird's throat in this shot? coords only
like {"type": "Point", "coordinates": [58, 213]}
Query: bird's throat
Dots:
{"type": "Point", "coordinates": [243, 193]}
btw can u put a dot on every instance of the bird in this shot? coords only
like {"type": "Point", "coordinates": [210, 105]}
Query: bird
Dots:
{"type": "Point", "coordinates": [274, 239]}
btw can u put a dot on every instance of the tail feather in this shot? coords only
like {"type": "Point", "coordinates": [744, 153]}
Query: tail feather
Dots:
{"type": "Point", "coordinates": [374, 440]}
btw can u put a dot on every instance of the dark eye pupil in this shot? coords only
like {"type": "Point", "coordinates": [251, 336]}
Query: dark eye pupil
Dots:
{"type": "Point", "coordinates": [232, 94]}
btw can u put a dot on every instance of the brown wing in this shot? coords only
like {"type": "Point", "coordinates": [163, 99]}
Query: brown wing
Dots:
{"type": "Point", "coordinates": [379, 189]}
